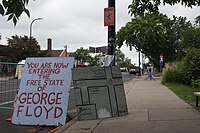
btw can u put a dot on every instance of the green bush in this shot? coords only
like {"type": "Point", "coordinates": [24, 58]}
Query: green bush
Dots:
{"type": "Point", "coordinates": [171, 74]}
{"type": "Point", "coordinates": [195, 83]}
{"type": "Point", "coordinates": [190, 62]}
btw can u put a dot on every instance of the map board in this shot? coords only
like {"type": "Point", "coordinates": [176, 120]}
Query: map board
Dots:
{"type": "Point", "coordinates": [44, 91]}
{"type": "Point", "coordinates": [99, 92]}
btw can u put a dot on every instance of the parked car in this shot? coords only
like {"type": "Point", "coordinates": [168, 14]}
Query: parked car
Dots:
{"type": "Point", "coordinates": [132, 71]}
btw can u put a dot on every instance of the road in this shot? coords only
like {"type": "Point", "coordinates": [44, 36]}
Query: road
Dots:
{"type": "Point", "coordinates": [8, 127]}
{"type": "Point", "coordinates": [127, 77]}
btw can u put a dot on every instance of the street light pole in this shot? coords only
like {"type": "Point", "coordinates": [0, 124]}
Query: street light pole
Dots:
{"type": "Point", "coordinates": [31, 27]}
{"type": "Point", "coordinates": [111, 33]}
{"type": "Point", "coordinates": [30, 37]}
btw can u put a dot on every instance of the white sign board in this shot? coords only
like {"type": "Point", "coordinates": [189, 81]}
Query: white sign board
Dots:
{"type": "Point", "coordinates": [44, 91]}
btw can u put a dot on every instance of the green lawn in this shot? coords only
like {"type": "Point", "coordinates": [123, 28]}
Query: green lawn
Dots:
{"type": "Point", "coordinates": [184, 92]}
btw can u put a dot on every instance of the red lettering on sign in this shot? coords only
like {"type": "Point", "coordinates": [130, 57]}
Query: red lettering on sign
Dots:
{"type": "Point", "coordinates": [29, 97]}
{"type": "Point", "coordinates": [27, 113]}
{"type": "Point", "coordinates": [36, 98]}
{"type": "Point", "coordinates": [38, 110]}
{"type": "Point", "coordinates": [22, 100]}
{"type": "Point", "coordinates": [43, 98]}
{"type": "Point", "coordinates": [47, 110]}
{"type": "Point", "coordinates": [58, 97]}
{"type": "Point", "coordinates": [19, 110]}
{"type": "Point", "coordinates": [56, 115]}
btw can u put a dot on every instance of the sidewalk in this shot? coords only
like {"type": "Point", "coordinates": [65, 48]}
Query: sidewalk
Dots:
{"type": "Point", "coordinates": [152, 107]}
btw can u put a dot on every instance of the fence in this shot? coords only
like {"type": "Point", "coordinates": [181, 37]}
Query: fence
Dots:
{"type": "Point", "coordinates": [10, 75]}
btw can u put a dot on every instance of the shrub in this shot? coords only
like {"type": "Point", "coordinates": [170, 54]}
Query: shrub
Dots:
{"type": "Point", "coordinates": [171, 74]}
{"type": "Point", "coordinates": [195, 83]}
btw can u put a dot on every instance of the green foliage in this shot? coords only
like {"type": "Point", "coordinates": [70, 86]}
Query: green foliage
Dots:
{"type": "Point", "coordinates": [192, 58]}
{"type": "Point", "coordinates": [171, 74]}
{"type": "Point", "coordinates": [183, 71]}
{"type": "Point", "coordinates": [139, 7]}
{"type": "Point", "coordinates": [22, 47]}
{"type": "Point", "coordinates": [94, 61]}
{"type": "Point", "coordinates": [195, 83]}
{"type": "Point", "coordinates": [127, 63]}
{"type": "Point", "coordinates": [82, 55]}
{"type": "Point", "coordinates": [13, 9]}
{"type": "Point", "coordinates": [153, 34]}
{"type": "Point", "coordinates": [119, 56]}
{"type": "Point", "coordinates": [185, 92]}
{"type": "Point", "coordinates": [190, 62]}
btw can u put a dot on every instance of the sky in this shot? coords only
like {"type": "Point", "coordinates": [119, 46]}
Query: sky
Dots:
{"type": "Point", "coordinates": [78, 23]}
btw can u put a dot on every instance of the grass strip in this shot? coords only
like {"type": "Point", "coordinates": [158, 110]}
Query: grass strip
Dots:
{"type": "Point", "coordinates": [185, 92]}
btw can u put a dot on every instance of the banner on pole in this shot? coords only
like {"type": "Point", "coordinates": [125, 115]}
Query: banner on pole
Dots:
{"type": "Point", "coordinates": [109, 16]}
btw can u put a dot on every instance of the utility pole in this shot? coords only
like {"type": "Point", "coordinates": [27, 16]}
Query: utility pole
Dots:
{"type": "Point", "coordinates": [111, 33]}
{"type": "Point", "coordinates": [139, 63]}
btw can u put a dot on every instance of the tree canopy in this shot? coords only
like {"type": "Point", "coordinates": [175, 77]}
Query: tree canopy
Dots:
{"type": "Point", "coordinates": [22, 48]}
{"type": "Point", "coordinates": [94, 61]}
{"type": "Point", "coordinates": [119, 56]}
{"type": "Point", "coordinates": [153, 34]}
{"type": "Point", "coordinates": [82, 55]}
{"type": "Point", "coordinates": [139, 7]}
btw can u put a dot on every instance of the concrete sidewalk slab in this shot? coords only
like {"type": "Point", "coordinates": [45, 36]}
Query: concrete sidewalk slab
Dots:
{"type": "Point", "coordinates": [153, 108]}
{"type": "Point", "coordinates": [158, 105]}
{"type": "Point", "coordinates": [189, 126]}
{"type": "Point", "coordinates": [173, 114]}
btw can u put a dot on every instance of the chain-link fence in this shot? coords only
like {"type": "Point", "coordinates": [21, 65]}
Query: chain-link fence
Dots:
{"type": "Point", "coordinates": [10, 76]}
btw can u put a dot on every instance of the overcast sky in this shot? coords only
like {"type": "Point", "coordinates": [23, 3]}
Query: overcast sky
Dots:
{"type": "Point", "coordinates": [77, 23]}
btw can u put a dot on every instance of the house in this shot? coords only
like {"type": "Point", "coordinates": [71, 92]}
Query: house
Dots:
{"type": "Point", "coordinates": [55, 53]}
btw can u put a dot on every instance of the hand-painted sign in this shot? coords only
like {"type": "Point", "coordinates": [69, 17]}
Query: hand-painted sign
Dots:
{"type": "Point", "coordinates": [44, 91]}
{"type": "Point", "coordinates": [109, 16]}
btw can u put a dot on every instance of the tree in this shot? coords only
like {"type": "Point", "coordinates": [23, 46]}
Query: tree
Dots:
{"type": "Point", "coordinates": [139, 7]}
{"type": "Point", "coordinates": [153, 34]}
{"type": "Point", "coordinates": [127, 63]}
{"type": "Point", "coordinates": [94, 61]}
{"type": "Point", "coordinates": [82, 55]}
{"type": "Point", "coordinates": [119, 56]}
{"type": "Point", "coordinates": [190, 38]}
{"type": "Point", "coordinates": [22, 48]}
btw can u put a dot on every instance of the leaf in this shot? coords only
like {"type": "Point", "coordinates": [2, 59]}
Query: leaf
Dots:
{"type": "Point", "coordinates": [14, 21]}
{"type": "Point", "coordinates": [18, 12]}
{"type": "Point", "coordinates": [5, 3]}
{"type": "Point", "coordinates": [27, 12]}
{"type": "Point", "coordinates": [1, 10]}
{"type": "Point", "coordinates": [10, 17]}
